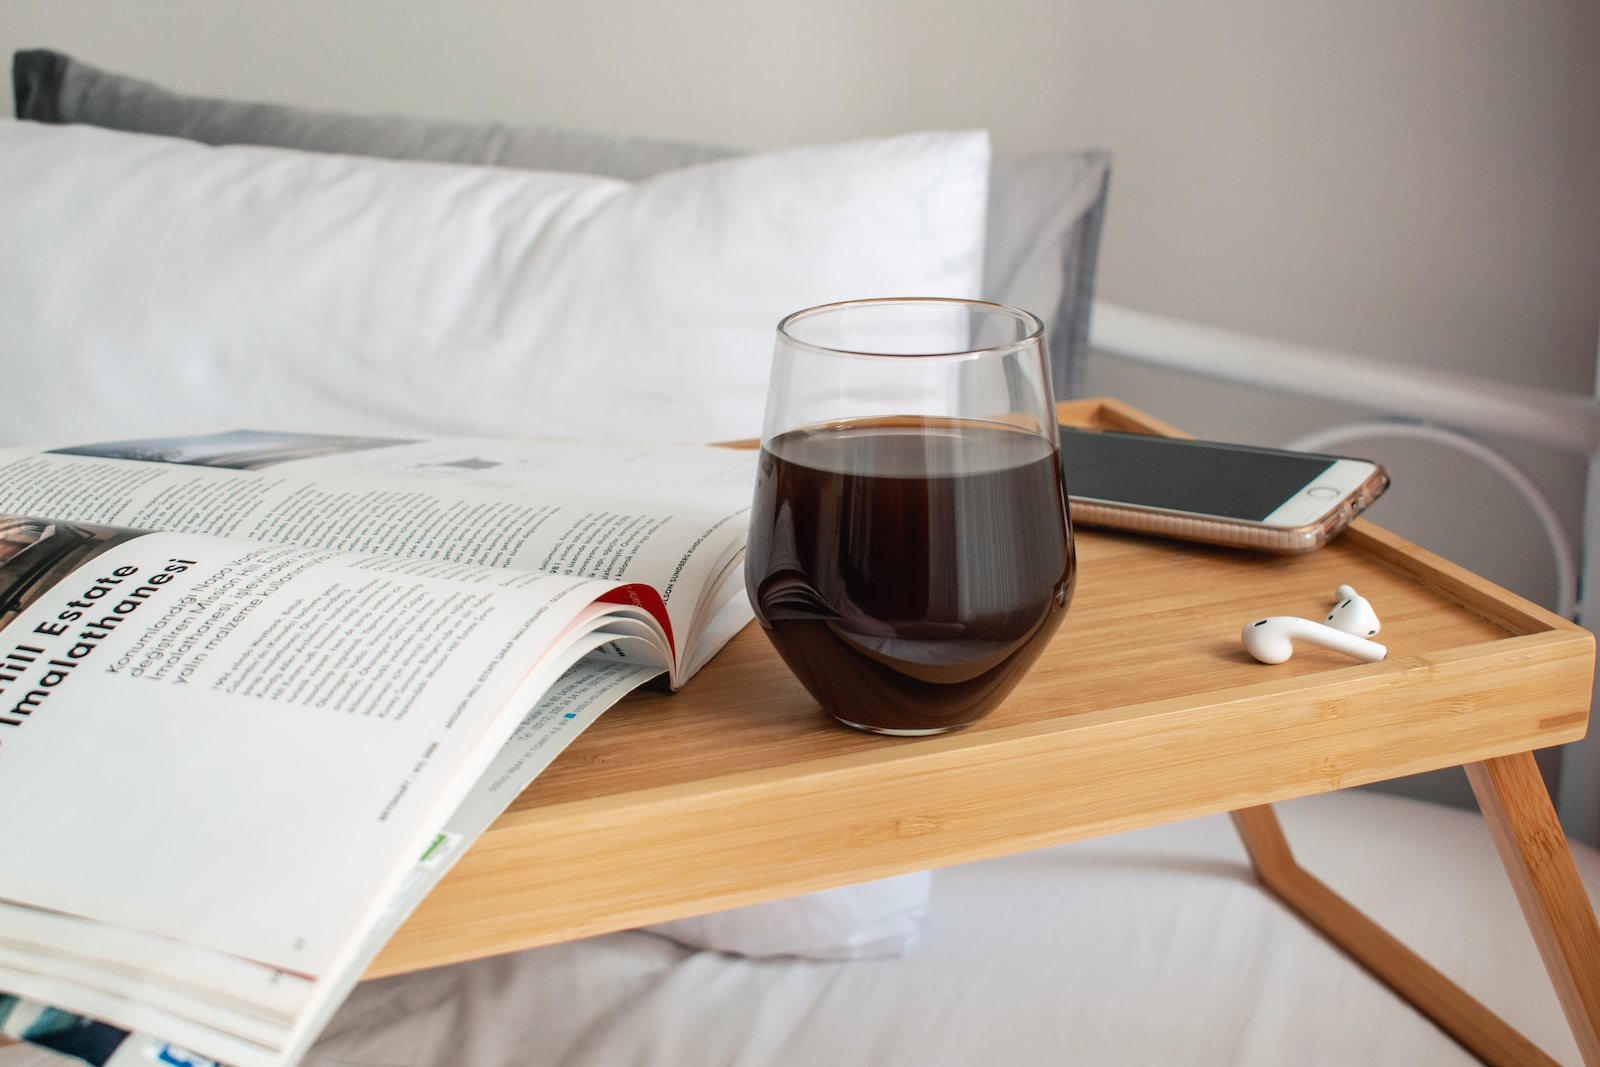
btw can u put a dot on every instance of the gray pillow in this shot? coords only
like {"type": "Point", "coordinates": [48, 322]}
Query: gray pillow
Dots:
{"type": "Point", "coordinates": [51, 87]}
{"type": "Point", "coordinates": [1045, 210]}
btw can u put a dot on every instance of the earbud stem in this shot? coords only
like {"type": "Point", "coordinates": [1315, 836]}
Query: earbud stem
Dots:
{"type": "Point", "coordinates": [1271, 640]}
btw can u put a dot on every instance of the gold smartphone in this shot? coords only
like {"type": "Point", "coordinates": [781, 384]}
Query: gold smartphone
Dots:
{"type": "Point", "coordinates": [1224, 494]}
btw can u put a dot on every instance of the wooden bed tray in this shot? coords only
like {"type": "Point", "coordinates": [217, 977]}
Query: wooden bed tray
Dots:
{"type": "Point", "coordinates": [1143, 710]}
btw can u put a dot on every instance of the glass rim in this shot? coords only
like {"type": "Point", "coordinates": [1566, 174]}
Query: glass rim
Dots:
{"type": "Point", "coordinates": [1034, 334]}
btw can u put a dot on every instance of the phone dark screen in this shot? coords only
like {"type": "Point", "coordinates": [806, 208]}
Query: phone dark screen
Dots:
{"type": "Point", "coordinates": [1233, 481]}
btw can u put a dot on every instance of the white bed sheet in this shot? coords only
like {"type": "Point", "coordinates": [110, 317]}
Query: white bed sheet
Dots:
{"type": "Point", "coordinates": [1149, 947]}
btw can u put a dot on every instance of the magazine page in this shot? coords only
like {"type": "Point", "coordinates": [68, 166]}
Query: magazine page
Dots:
{"type": "Point", "coordinates": [673, 516]}
{"type": "Point", "coordinates": [179, 1030]}
{"type": "Point", "coordinates": [258, 740]}
{"type": "Point", "coordinates": [85, 1040]}
{"type": "Point", "coordinates": [574, 703]}
{"type": "Point", "coordinates": [244, 1011]}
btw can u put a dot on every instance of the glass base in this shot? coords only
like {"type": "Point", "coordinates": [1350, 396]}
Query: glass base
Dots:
{"type": "Point", "coordinates": [897, 733]}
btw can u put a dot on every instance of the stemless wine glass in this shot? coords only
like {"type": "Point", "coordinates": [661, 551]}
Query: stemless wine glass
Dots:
{"type": "Point", "coordinates": [910, 551]}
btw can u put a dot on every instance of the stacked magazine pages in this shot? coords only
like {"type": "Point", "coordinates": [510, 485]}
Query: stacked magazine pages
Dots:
{"type": "Point", "coordinates": [258, 691]}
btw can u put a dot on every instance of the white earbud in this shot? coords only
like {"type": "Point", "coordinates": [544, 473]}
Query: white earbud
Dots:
{"type": "Point", "coordinates": [1271, 640]}
{"type": "Point", "coordinates": [1353, 614]}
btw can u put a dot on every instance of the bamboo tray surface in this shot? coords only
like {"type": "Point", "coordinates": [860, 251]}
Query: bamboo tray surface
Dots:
{"type": "Point", "coordinates": [1144, 709]}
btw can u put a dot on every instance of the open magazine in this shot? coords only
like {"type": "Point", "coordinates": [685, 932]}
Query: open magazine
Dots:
{"type": "Point", "coordinates": [258, 691]}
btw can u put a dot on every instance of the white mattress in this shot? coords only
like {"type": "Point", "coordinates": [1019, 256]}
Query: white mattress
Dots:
{"type": "Point", "coordinates": [1151, 947]}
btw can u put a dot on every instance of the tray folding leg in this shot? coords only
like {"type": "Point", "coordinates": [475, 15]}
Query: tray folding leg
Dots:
{"type": "Point", "coordinates": [1540, 864]}
{"type": "Point", "coordinates": [1525, 829]}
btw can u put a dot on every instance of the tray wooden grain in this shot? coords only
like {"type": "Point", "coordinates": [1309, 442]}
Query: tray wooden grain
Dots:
{"type": "Point", "coordinates": [1143, 710]}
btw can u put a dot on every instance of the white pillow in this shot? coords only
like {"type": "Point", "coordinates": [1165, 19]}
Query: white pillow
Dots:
{"type": "Point", "coordinates": [154, 286]}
